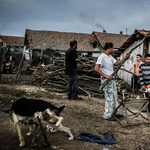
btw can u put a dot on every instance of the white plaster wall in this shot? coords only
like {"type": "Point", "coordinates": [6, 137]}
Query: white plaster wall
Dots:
{"type": "Point", "coordinates": [96, 54]}
{"type": "Point", "coordinates": [123, 74]}
{"type": "Point", "coordinates": [28, 54]}
{"type": "Point", "coordinates": [148, 47]}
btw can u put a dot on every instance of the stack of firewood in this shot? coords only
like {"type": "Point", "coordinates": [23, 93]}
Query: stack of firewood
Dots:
{"type": "Point", "coordinates": [53, 77]}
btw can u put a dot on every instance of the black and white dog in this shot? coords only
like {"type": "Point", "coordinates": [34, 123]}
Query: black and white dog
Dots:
{"type": "Point", "coordinates": [26, 110]}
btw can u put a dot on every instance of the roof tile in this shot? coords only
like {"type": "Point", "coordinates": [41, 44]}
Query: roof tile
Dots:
{"type": "Point", "coordinates": [12, 40]}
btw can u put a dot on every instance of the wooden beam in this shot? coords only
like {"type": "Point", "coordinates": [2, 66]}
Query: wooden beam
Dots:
{"type": "Point", "coordinates": [2, 54]}
{"type": "Point", "coordinates": [20, 65]}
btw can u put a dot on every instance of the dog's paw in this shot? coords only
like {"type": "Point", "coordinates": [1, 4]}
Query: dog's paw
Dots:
{"type": "Point", "coordinates": [28, 134]}
{"type": "Point", "coordinates": [57, 124]}
{"type": "Point", "coordinates": [22, 143]}
{"type": "Point", "coordinates": [71, 138]}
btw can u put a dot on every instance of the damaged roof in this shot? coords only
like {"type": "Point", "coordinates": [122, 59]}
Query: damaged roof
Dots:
{"type": "Point", "coordinates": [116, 39]}
{"type": "Point", "coordinates": [12, 40]}
{"type": "Point", "coordinates": [138, 34]}
{"type": "Point", "coordinates": [35, 39]}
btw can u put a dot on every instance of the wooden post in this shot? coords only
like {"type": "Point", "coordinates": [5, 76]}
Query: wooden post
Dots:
{"type": "Point", "coordinates": [20, 65]}
{"type": "Point", "coordinates": [2, 54]}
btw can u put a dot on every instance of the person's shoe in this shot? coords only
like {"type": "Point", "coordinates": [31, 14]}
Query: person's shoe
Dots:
{"type": "Point", "coordinates": [119, 116]}
{"type": "Point", "coordinates": [111, 119]}
{"type": "Point", "coordinates": [138, 97]}
{"type": "Point", "coordinates": [77, 98]}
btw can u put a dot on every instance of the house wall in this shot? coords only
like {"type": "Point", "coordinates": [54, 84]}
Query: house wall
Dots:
{"type": "Point", "coordinates": [123, 74]}
{"type": "Point", "coordinates": [96, 54]}
{"type": "Point", "coordinates": [149, 47]}
{"type": "Point", "coordinates": [28, 54]}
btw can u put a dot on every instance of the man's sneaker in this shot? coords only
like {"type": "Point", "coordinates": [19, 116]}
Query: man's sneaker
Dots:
{"type": "Point", "coordinates": [111, 119]}
{"type": "Point", "coordinates": [138, 97]}
{"type": "Point", "coordinates": [50, 129]}
{"type": "Point", "coordinates": [77, 98]}
{"type": "Point", "coordinates": [119, 116]}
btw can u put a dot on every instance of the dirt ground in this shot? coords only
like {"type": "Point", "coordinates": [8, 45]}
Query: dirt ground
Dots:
{"type": "Point", "coordinates": [84, 115]}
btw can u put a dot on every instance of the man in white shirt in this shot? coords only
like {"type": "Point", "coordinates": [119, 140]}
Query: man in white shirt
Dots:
{"type": "Point", "coordinates": [104, 67]}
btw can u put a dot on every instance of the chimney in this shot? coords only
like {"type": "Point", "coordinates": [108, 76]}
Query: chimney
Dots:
{"type": "Point", "coordinates": [121, 32]}
{"type": "Point", "coordinates": [104, 31]}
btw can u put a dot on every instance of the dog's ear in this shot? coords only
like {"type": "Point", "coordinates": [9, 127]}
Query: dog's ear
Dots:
{"type": "Point", "coordinates": [46, 116]}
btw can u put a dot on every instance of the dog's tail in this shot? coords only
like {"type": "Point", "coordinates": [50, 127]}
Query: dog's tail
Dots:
{"type": "Point", "coordinates": [61, 108]}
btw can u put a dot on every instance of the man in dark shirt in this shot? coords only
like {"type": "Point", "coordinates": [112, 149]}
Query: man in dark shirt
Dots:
{"type": "Point", "coordinates": [71, 59]}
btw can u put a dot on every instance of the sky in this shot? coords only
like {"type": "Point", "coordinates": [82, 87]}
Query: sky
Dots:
{"type": "Point", "coordinates": [77, 16]}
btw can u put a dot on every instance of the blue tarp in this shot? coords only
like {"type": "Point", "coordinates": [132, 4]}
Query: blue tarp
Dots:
{"type": "Point", "coordinates": [109, 139]}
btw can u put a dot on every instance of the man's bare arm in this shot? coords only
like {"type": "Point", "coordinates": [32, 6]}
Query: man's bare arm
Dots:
{"type": "Point", "coordinates": [132, 66]}
{"type": "Point", "coordinates": [79, 61]}
{"type": "Point", "coordinates": [119, 62]}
